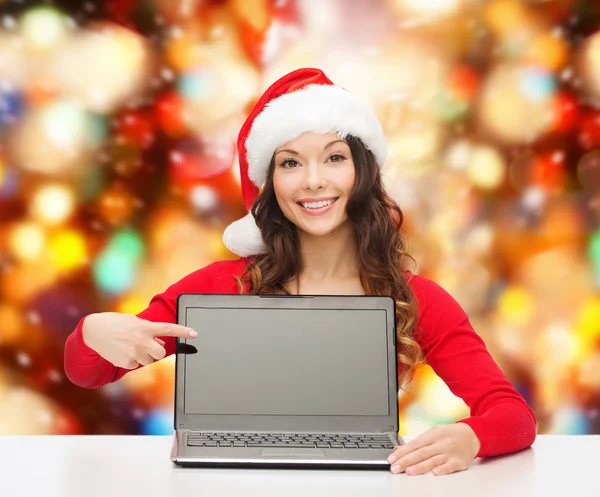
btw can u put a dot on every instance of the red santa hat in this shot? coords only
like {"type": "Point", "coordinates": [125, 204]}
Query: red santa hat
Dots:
{"type": "Point", "coordinates": [303, 100]}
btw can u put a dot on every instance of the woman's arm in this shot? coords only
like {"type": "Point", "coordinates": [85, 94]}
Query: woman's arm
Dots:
{"type": "Point", "coordinates": [500, 417]}
{"type": "Point", "coordinates": [86, 368]}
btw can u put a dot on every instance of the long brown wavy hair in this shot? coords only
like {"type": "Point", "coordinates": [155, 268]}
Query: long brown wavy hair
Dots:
{"type": "Point", "coordinates": [377, 220]}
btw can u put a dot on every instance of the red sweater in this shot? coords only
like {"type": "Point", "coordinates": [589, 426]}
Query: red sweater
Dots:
{"type": "Point", "coordinates": [500, 417]}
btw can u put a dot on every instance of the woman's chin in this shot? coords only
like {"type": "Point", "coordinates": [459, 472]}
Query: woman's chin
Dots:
{"type": "Point", "coordinates": [319, 229]}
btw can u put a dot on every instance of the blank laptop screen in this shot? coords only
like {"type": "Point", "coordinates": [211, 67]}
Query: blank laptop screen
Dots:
{"type": "Point", "coordinates": [280, 362]}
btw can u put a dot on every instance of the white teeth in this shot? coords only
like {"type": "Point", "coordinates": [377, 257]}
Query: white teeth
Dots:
{"type": "Point", "coordinates": [316, 205]}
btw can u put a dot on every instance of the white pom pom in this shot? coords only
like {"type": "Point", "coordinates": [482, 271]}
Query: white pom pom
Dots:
{"type": "Point", "coordinates": [243, 237]}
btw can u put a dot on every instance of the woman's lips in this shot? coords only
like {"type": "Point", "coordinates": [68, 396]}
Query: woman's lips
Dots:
{"type": "Point", "coordinates": [319, 211]}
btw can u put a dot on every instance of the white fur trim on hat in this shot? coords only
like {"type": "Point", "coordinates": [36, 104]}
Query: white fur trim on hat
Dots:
{"type": "Point", "coordinates": [318, 108]}
{"type": "Point", "coordinates": [243, 237]}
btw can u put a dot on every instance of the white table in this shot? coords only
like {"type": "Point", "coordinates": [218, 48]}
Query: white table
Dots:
{"type": "Point", "coordinates": [139, 466]}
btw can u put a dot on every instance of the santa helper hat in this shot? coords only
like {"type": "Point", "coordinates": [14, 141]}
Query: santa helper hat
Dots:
{"type": "Point", "coordinates": [303, 100]}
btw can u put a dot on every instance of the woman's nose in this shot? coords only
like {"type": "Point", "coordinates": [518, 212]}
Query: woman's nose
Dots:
{"type": "Point", "coordinates": [313, 177]}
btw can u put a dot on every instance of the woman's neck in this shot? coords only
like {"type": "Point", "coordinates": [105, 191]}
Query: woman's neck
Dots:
{"type": "Point", "coordinates": [330, 257]}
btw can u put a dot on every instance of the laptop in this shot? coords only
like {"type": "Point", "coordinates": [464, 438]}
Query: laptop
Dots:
{"type": "Point", "coordinates": [288, 381]}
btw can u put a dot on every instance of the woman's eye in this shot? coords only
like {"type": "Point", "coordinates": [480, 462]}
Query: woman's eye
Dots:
{"type": "Point", "coordinates": [337, 158]}
{"type": "Point", "coordinates": [289, 163]}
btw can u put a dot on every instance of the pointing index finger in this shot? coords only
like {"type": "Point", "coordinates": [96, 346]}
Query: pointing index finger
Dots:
{"type": "Point", "coordinates": [173, 330]}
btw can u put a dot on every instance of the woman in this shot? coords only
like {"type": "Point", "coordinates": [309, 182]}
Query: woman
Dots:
{"type": "Point", "coordinates": [320, 222]}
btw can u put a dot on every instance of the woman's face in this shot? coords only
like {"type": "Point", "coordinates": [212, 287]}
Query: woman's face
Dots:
{"type": "Point", "coordinates": [313, 178]}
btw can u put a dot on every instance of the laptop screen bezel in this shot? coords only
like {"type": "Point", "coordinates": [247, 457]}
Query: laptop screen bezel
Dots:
{"type": "Point", "coordinates": [265, 423]}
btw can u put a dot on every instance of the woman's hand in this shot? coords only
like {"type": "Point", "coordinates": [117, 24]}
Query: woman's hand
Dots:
{"type": "Point", "coordinates": [443, 449]}
{"type": "Point", "coordinates": [128, 341]}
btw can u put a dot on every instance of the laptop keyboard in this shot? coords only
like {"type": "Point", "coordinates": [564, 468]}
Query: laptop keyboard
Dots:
{"type": "Point", "coordinates": [294, 440]}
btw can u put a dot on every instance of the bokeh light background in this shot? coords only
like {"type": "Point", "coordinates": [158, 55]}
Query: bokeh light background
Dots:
{"type": "Point", "coordinates": [118, 174]}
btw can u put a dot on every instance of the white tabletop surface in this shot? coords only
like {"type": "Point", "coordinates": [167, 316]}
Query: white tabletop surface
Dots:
{"type": "Point", "coordinates": [139, 466]}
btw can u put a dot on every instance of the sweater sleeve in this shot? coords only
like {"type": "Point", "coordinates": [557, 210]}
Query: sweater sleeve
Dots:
{"type": "Point", "coordinates": [86, 368]}
{"type": "Point", "coordinates": [499, 415]}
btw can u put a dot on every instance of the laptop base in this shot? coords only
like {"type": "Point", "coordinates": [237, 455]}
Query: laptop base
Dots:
{"type": "Point", "coordinates": [246, 457]}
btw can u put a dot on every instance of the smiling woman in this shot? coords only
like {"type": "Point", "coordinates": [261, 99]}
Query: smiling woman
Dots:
{"type": "Point", "coordinates": [320, 222]}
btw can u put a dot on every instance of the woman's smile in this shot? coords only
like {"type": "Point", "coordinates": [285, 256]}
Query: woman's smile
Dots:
{"type": "Point", "coordinates": [316, 207]}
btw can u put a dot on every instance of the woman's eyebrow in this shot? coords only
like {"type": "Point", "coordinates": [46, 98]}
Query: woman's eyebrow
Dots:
{"type": "Point", "coordinates": [331, 143]}
{"type": "Point", "coordinates": [290, 151]}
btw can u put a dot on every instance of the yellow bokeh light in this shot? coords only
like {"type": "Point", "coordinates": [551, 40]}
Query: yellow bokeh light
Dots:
{"type": "Point", "coordinates": [182, 51]}
{"type": "Point", "coordinates": [516, 305]}
{"type": "Point", "coordinates": [132, 51]}
{"type": "Point", "coordinates": [587, 327]}
{"type": "Point", "coordinates": [68, 250]}
{"type": "Point", "coordinates": [504, 16]}
{"type": "Point", "coordinates": [52, 204]}
{"type": "Point", "coordinates": [43, 27]}
{"type": "Point", "coordinates": [548, 51]}
{"type": "Point", "coordinates": [2, 168]}
{"type": "Point", "coordinates": [486, 168]}
{"type": "Point", "coordinates": [132, 305]}
{"type": "Point", "coordinates": [27, 241]}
